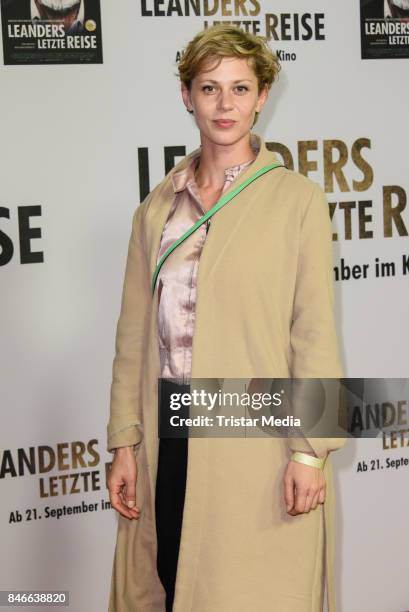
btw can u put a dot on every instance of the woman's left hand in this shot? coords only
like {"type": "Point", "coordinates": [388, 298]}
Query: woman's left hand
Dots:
{"type": "Point", "coordinates": [304, 488]}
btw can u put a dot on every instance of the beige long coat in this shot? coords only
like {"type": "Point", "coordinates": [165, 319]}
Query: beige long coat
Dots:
{"type": "Point", "coordinates": [264, 309]}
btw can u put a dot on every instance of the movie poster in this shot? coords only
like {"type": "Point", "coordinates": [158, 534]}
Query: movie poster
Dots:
{"type": "Point", "coordinates": [51, 31]}
{"type": "Point", "coordinates": [384, 29]}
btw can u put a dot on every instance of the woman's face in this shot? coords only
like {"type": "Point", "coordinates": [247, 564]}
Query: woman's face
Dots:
{"type": "Point", "coordinates": [228, 92]}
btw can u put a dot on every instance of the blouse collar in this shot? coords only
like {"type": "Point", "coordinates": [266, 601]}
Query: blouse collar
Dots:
{"type": "Point", "coordinates": [185, 177]}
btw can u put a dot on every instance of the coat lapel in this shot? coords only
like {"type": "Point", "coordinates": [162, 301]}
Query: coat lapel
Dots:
{"type": "Point", "coordinates": [226, 220]}
{"type": "Point", "coordinates": [157, 214]}
{"type": "Point", "coordinates": [223, 222]}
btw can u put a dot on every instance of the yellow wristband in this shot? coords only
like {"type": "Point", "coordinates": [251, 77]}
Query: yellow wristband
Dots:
{"type": "Point", "coordinates": [308, 460]}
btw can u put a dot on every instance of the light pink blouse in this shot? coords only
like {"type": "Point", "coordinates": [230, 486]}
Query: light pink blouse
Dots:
{"type": "Point", "coordinates": [177, 278]}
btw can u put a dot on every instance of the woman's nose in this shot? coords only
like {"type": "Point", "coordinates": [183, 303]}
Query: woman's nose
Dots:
{"type": "Point", "coordinates": [225, 99]}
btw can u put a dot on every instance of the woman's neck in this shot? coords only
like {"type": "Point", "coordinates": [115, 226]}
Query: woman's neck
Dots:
{"type": "Point", "coordinates": [215, 158]}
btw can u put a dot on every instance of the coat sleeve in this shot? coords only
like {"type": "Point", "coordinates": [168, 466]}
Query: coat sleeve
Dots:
{"type": "Point", "coordinates": [313, 337]}
{"type": "Point", "coordinates": [124, 426]}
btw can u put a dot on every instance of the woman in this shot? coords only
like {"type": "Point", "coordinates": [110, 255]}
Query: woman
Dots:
{"type": "Point", "coordinates": [247, 296]}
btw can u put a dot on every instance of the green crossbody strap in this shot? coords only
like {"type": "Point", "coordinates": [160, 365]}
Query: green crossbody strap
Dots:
{"type": "Point", "coordinates": [219, 204]}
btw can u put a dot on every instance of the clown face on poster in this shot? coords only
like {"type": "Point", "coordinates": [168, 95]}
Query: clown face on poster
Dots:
{"type": "Point", "coordinates": [384, 29]}
{"type": "Point", "coordinates": [51, 32]}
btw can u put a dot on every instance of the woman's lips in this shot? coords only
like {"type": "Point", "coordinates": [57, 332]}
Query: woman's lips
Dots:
{"type": "Point", "coordinates": [223, 123]}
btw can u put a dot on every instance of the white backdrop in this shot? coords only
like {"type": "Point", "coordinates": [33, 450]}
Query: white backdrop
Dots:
{"type": "Point", "coordinates": [69, 144]}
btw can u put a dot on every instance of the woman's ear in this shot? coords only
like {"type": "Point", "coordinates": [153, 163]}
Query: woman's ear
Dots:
{"type": "Point", "coordinates": [262, 98]}
{"type": "Point", "coordinates": [186, 97]}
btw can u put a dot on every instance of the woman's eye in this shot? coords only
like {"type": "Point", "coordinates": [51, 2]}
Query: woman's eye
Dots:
{"type": "Point", "coordinates": [239, 88]}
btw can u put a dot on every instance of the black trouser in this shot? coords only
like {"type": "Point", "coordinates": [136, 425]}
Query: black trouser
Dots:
{"type": "Point", "coordinates": [170, 497]}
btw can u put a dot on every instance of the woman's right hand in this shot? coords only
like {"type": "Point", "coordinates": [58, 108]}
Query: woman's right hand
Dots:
{"type": "Point", "coordinates": [122, 482]}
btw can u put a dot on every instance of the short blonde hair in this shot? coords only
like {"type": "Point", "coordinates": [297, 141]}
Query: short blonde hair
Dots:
{"type": "Point", "coordinates": [225, 40]}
